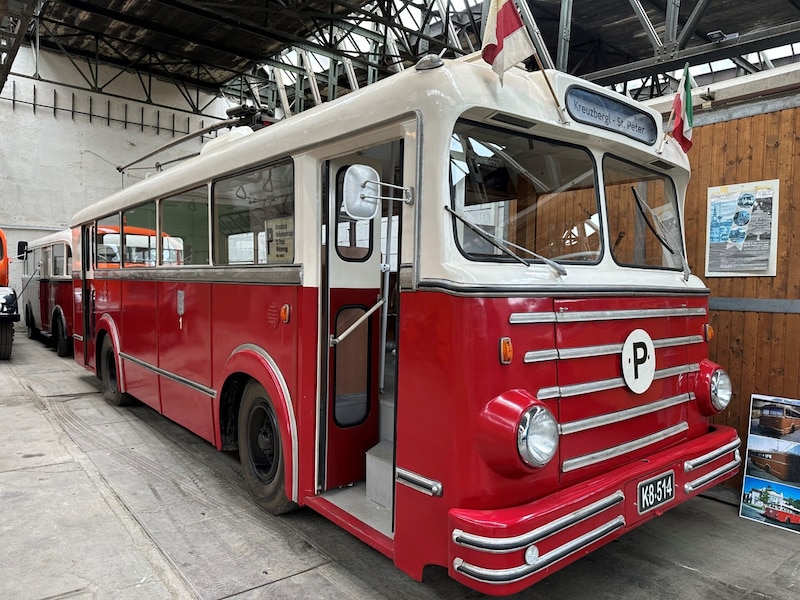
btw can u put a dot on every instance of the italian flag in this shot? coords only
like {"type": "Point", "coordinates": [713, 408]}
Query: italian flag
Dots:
{"type": "Point", "coordinates": [505, 40]}
{"type": "Point", "coordinates": [682, 109]}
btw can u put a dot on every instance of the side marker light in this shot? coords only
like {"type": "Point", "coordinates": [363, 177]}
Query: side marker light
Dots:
{"type": "Point", "coordinates": [506, 351]}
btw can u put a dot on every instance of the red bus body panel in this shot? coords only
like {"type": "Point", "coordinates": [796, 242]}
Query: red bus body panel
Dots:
{"type": "Point", "coordinates": [486, 493]}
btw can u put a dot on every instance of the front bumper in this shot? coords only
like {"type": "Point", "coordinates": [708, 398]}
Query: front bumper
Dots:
{"type": "Point", "coordinates": [8, 305]}
{"type": "Point", "coordinates": [503, 551]}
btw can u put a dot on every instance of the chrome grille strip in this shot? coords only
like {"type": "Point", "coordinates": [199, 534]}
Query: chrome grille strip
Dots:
{"type": "Point", "coordinates": [509, 544]}
{"type": "Point", "coordinates": [617, 315]}
{"type": "Point", "coordinates": [540, 356]}
{"type": "Point", "coordinates": [679, 370]}
{"type": "Point", "coordinates": [691, 486]}
{"type": "Point", "coordinates": [502, 576]}
{"type": "Point", "coordinates": [606, 349]}
{"type": "Point", "coordinates": [579, 389]}
{"type": "Point", "coordinates": [678, 341]}
{"type": "Point", "coordinates": [623, 415]}
{"type": "Point", "coordinates": [590, 351]}
{"type": "Point", "coordinates": [566, 316]}
{"type": "Point", "coordinates": [532, 317]}
{"type": "Point", "coordinates": [691, 465]}
{"type": "Point", "coordinates": [595, 457]}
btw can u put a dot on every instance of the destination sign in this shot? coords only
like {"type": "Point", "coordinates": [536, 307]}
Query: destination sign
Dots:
{"type": "Point", "coordinates": [601, 111]}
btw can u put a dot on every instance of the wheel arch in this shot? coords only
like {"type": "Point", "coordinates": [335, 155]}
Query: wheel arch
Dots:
{"type": "Point", "coordinates": [251, 362]}
{"type": "Point", "coordinates": [106, 327]}
{"type": "Point", "coordinates": [60, 315]}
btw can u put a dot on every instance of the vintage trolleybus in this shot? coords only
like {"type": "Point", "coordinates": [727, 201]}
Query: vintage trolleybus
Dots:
{"type": "Point", "coordinates": [455, 318]}
{"type": "Point", "coordinates": [46, 292]}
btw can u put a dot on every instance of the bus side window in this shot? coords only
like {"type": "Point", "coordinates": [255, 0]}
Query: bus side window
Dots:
{"type": "Point", "coordinates": [254, 216]}
{"type": "Point", "coordinates": [185, 216]}
{"type": "Point", "coordinates": [139, 229]}
{"type": "Point", "coordinates": [107, 243]}
{"type": "Point", "coordinates": [47, 266]}
{"type": "Point", "coordinates": [58, 260]}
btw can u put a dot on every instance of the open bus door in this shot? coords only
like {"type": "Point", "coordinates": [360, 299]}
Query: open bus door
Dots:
{"type": "Point", "coordinates": [85, 309]}
{"type": "Point", "coordinates": [351, 288]}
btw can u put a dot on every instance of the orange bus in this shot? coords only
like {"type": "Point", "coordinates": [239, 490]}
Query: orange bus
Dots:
{"type": "Point", "coordinates": [8, 302]}
{"type": "Point", "coordinates": [779, 418]}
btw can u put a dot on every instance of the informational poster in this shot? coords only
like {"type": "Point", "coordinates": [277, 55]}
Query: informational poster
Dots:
{"type": "Point", "coordinates": [280, 240]}
{"type": "Point", "coordinates": [771, 490]}
{"type": "Point", "coordinates": [742, 229]}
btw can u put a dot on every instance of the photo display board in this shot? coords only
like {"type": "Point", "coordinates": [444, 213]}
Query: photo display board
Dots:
{"type": "Point", "coordinates": [742, 229]}
{"type": "Point", "coordinates": [771, 489]}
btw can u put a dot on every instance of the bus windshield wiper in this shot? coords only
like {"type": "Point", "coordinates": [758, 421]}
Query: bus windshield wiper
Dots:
{"type": "Point", "coordinates": [644, 206]}
{"type": "Point", "coordinates": [503, 245]}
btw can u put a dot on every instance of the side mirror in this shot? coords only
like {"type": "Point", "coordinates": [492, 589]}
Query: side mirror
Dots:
{"type": "Point", "coordinates": [361, 192]}
{"type": "Point", "coordinates": [22, 248]}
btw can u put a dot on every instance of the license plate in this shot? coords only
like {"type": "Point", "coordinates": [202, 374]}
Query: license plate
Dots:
{"type": "Point", "coordinates": [655, 491]}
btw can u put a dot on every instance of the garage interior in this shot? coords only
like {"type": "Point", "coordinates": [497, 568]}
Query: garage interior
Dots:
{"type": "Point", "coordinates": [186, 61]}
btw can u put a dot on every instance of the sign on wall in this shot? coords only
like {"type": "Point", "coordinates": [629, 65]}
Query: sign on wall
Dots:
{"type": "Point", "coordinates": [742, 229]}
{"type": "Point", "coordinates": [771, 490]}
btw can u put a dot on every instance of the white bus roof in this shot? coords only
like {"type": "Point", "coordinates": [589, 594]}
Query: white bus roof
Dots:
{"type": "Point", "coordinates": [434, 95]}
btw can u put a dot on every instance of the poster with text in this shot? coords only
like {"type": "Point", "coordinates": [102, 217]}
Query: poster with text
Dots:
{"type": "Point", "coordinates": [742, 229]}
{"type": "Point", "coordinates": [771, 489]}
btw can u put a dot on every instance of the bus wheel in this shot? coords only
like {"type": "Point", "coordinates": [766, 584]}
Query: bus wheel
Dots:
{"type": "Point", "coordinates": [30, 326]}
{"type": "Point", "coordinates": [6, 340]}
{"type": "Point", "coordinates": [60, 334]}
{"type": "Point", "coordinates": [260, 450]}
{"type": "Point", "coordinates": [108, 366]}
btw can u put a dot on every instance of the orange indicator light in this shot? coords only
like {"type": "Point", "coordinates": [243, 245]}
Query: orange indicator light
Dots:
{"type": "Point", "coordinates": [708, 332]}
{"type": "Point", "coordinates": [506, 350]}
{"type": "Point", "coordinates": [285, 313]}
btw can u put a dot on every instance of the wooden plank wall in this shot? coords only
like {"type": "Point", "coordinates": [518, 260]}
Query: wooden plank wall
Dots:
{"type": "Point", "coordinates": [760, 350]}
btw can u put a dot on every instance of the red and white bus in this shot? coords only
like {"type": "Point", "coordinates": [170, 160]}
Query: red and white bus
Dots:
{"type": "Point", "coordinates": [526, 381]}
{"type": "Point", "coordinates": [46, 291]}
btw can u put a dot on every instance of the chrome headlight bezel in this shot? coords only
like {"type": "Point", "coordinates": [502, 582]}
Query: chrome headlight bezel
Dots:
{"type": "Point", "coordinates": [537, 436]}
{"type": "Point", "coordinates": [720, 389]}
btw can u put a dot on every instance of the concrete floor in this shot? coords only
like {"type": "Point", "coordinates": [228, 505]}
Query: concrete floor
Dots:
{"type": "Point", "coordinates": [102, 502]}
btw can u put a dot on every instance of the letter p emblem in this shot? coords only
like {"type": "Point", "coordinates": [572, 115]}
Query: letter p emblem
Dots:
{"type": "Point", "coordinates": [638, 361]}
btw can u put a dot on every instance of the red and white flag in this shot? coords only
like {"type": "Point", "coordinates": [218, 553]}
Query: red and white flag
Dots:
{"type": "Point", "coordinates": [682, 108]}
{"type": "Point", "coordinates": [505, 40]}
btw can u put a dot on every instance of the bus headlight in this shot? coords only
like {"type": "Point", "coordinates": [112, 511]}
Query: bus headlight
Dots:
{"type": "Point", "coordinates": [712, 388]}
{"type": "Point", "coordinates": [516, 433]}
{"type": "Point", "coordinates": [721, 389]}
{"type": "Point", "coordinates": [537, 436]}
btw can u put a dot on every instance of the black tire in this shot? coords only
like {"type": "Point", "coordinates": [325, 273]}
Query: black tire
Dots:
{"type": "Point", "coordinates": [109, 376]}
{"type": "Point", "coordinates": [6, 340]}
{"type": "Point", "coordinates": [60, 336]}
{"type": "Point", "coordinates": [30, 326]}
{"type": "Point", "coordinates": [260, 450]}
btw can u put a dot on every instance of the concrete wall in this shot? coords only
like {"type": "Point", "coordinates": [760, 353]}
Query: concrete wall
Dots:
{"type": "Point", "coordinates": [60, 142]}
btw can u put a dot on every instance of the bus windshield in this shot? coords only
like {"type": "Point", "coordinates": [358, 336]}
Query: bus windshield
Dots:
{"type": "Point", "coordinates": [642, 216]}
{"type": "Point", "coordinates": [538, 196]}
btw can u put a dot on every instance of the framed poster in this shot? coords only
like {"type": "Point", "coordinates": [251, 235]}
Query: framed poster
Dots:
{"type": "Point", "coordinates": [742, 229]}
{"type": "Point", "coordinates": [771, 489]}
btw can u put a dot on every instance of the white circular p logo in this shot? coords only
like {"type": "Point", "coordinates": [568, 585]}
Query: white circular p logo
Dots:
{"type": "Point", "coordinates": [638, 361]}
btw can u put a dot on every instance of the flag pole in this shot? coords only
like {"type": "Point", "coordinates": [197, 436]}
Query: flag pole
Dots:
{"type": "Point", "coordinates": [672, 112]}
{"type": "Point", "coordinates": [535, 35]}
{"type": "Point", "coordinates": [666, 130]}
